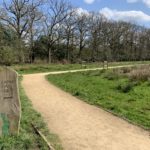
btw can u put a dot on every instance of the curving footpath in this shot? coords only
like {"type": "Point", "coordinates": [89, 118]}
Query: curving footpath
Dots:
{"type": "Point", "coordinates": [81, 126]}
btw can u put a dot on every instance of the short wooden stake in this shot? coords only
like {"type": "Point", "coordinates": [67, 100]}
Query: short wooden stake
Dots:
{"type": "Point", "coordinates": [43, 137]}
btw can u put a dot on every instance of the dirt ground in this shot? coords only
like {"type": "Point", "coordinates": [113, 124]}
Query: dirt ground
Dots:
{"type": "Point", "coordinates": [81, 126]}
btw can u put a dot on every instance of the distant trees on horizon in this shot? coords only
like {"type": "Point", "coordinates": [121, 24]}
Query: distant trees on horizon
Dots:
{"type": "Point", "coordinates": [55, 31]}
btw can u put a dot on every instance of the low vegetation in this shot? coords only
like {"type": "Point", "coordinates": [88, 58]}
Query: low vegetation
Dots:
{"type": "Point", "coordinates": [28, 139]}
{"type": "Point", "coordinates": [140, 74]}
{"type": "Point", "coordinates": [121, 91]}
{"type": "Point", "coordinates": [37, 68]}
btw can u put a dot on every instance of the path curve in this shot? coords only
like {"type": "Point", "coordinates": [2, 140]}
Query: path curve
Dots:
{"type": "Point", "coordinates": [79, 125]}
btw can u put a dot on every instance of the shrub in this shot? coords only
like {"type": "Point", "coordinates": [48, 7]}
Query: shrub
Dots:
{"type": "Point", "coordinates": [7, 56]}
{"type": "Point", "coordinates": [126, 87]}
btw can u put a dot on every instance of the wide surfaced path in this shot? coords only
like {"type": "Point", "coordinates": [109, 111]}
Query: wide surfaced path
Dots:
{"type": "Point", "coordinates": [81, 126]}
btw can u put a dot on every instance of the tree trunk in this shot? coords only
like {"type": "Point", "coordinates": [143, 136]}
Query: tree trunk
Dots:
{"type": "Point", "coordinates": [68, 50]}
{"type": "Point", "coordinates": [49, 56]}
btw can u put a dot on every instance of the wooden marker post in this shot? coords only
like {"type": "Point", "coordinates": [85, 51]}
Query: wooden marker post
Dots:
{"type": "Point", "coordinates": [10, 109]}
{"type": "Point", "coordinates": [105, 65]}
{"type": "Point", "coordinates": [83, 63]}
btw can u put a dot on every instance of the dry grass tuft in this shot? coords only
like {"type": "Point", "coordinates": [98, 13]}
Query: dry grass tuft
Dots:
{"type": "Point", "coordinates": [141, 73]}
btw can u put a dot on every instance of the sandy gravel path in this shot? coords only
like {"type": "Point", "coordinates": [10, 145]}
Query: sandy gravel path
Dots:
{"type": "Point", "coordinates": [81, 126]}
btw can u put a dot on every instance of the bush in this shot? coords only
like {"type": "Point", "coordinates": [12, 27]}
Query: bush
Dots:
{"type": "Point", "coordinates": [126, 87]}
{"type": "Point", "coordinates": [7, 56]}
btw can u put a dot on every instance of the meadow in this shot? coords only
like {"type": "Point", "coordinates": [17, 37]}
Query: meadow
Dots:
{"type": "Point", "coordinates": [38, 68]}
{"type": "Point", "coordinates": [124, 92]}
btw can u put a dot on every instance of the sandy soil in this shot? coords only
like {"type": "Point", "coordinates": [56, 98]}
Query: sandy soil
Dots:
{"type": "Point", "coordinates": [81, 126]}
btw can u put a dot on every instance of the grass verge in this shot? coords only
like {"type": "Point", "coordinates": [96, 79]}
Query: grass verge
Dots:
{"type": "Point", "coordinates": [28, 139]}
{"type": "Point", "coordinates": [111, 91]}
{"type": "Point", "coordinates": [38, 68]}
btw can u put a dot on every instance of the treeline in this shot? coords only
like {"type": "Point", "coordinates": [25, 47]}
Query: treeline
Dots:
{"type": "Point", "coordinates": [55, 31]}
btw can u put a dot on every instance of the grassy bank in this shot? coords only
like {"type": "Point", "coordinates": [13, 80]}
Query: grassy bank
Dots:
{"type": "Point", "coordinates": [121, 91]}
{"type": "Point", "coordinates": [36, 68]}
{"type": "Point", "coordinates": [28, 139]}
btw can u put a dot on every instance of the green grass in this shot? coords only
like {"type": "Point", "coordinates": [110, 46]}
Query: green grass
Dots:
{"type": "Point", "coordinates": [28, 139]}
{"type": "Point", "coordinates": [37, 68]}
{"type": "Point", "coordinates": [129, 100]}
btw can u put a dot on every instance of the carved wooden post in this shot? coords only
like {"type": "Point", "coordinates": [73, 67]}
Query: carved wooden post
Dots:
{"type": "Point", "coordinates": [10, 111]}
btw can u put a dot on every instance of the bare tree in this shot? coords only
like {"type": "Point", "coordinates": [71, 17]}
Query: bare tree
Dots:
{"type": "Point", "coordinates": [69, 32]}
{"type": "Point", "coordinates": [81, 31]}
{"type": "Point", "coordinates": [58, 10]}
{"type": "Point", "coordinates": [15, 15]}
{"type": "Point", "coordinates": [35, 18]}
{"type": "Point", "coordinates": [97, 40]}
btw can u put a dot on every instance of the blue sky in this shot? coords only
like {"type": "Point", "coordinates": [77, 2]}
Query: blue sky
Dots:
{"type": "Point", "coordinates": [136, 11]}
{"type": "Point", "coordinates": [129, 10]}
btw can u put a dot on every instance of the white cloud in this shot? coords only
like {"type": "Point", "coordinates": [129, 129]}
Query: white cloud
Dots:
{"type": "Point", "coordinates": [146, 2]}
{"type": "Point", "coordinates": [130, 16]}
{"type": "Point", "coordinates": [89, 1]}
{"type": "Point", "coordinates": [81, 11]}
